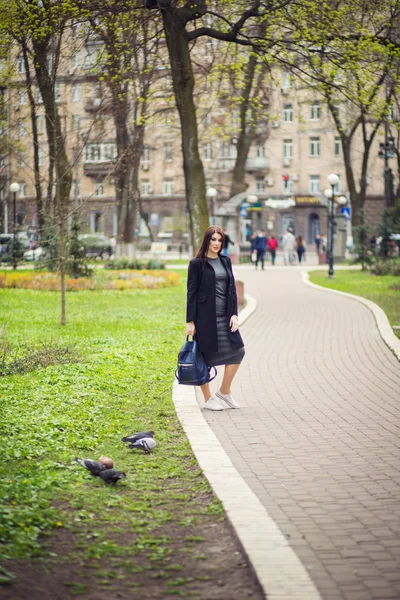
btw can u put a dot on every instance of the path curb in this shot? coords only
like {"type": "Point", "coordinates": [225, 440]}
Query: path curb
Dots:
{"type": "Point", "coordinates": [277, 567]}
{"type": "Point", "coordinates": [384, 327]}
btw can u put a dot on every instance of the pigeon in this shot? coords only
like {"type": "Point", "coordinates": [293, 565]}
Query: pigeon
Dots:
{"type": "Point", "coordinates": [137, 436]}
{"type": "Point", "coordinates": [146, 444]}
{"type": "Point", "coordinates": [92, 466]}
{"type": "Point", "coordinates": [111, 476]}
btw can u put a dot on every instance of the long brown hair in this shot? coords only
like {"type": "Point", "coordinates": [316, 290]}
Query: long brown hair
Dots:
{"type": "Point", "coordinates": [209, 232]}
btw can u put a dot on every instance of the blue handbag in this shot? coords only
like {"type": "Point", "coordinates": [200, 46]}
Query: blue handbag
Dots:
{"type": "Point", "coordinates": [192, 368]}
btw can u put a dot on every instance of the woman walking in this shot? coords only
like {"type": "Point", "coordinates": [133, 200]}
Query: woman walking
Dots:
{"type": "Point", "coordinates": [300, 248]}
{"type": "Point", "coordinates": [211, 314]}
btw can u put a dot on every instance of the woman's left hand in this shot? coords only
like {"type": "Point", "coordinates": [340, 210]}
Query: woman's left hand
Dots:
{"type": "Point", "coordinates": [234, 323]}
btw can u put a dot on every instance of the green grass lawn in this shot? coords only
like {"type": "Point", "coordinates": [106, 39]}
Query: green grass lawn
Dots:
{"type": "Point", "coordinates": [128, 343]}
{"type": "Point", "coordinates": [383, 290]}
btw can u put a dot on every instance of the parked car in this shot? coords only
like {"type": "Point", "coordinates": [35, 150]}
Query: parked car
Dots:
{"type": "Point", "coordinates": [6, 244]}
{"type": "Point", "coordinates": [96, 245]}
{"type": "Point", "coordinates": [34, 253]}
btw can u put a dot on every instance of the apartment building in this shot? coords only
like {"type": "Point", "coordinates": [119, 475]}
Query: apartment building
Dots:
{"type": "Point", "coordinates": [287, 167]}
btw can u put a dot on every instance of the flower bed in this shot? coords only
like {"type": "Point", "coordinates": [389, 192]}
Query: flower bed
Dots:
{"type": "Point", "coordinates": [101, 280]}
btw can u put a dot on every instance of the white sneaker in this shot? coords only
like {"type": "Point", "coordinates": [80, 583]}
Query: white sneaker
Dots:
{"type": "Point", "coordinates": [228, 399]}
{"type": "Point", "coordinates": [213, 404]}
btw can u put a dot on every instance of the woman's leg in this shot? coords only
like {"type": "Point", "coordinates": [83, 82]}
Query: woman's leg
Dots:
{"type": "Point", "coordinates": [229, 374]}
{"type": "Point", "coordinates": [206, 391]}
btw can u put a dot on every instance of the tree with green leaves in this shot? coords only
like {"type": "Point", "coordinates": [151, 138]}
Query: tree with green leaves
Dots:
{"type": "Point", "coordinates": [128, 64]}
{"type": "Point", "coordinates": [41, 26]}
{"type": "Point", "coordinates": [340, 53]}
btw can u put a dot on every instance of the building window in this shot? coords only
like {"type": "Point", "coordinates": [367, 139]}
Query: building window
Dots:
{"type": "Point", "coordinates": [21, 97]}
{"type": "Point", "coordinates": [145, 160]}
{"type": "Point", "coordinates": [315, 148]}
{"type": "Point", "coordinates": [168, 187]}
{"type": "Point", "coordinates": [286, 80]}
{"type": "Point", "coordinates": [40, 124]}
{"type": "Point", "coordinates": [260, 151]}
{"type": "Point", "coordinates": [287, 148]}
{"type": "Point", "coordinates": [288, 113]}
{"type": "Point", "coordinates": [76, 188]}
{"type": "Point", "coordinates": [208, 118]}
{"type": "Point", "coordinates": [76, 122]}
{"type": "Point", "coordinates": [41, 156]}
{"type": "Point", "coordinates": [21, 64]}
{"type": "Point", "coordinates": [57, 92]}
{"type": "Point", "coordinates": [145, 187]}
{"type": "Point", "coordinates": [314, 186]}
{"type": "Point", "coordinates": [287, 185]}
{"type": "Point", "coordinates": [108, 151]}
{"type": "Point", "coordinates": [168, 152]}
{"type": "Point", "coordinates": [337, 188]}
{"type": "Point", "coordinates": [227, 150]}
{"type": "Point", "coordinates": [99, 188]}
{"type": "Point", "coordinates": [21, 129]}
{"type": "Point", "coordinates": [22, 190]}
{"type": "Point", "coordinates": [315, 111]}
{"type": "Point", "coordinates": [95, 222]}
{"type": "Point", "coordinates": [337, 146]}
{"type": "Point", "coordinates": [207, 151]}
{"type": "Point", "coordinates": [76, 60]}
{"type": "Point", "coordinates": [76, 92]}
{"type": "Point", "coordinates": [21, 158]}
{"type": "Point", "coordinates": [38, 96]}
{"type": "Point", "coordinates": [260, 185]}
{"type": "Point", "coordinates": [99, 152]}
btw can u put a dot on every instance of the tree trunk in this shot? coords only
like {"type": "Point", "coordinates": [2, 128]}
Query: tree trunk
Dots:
{"type": "Point", "coordinates": [245, 138]}
{"type": "Point", "coordinates": [33, 115]}
{"type": "Point", "coordinates": [356, 206]}
{"type": "Point", "coordinates": [183, 82]}
{"type": "Point", "coordinates": [57, 152]}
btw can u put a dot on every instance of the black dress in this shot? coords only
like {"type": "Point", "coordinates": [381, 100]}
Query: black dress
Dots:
{"type": "Point", "coordinates": [226, 354]}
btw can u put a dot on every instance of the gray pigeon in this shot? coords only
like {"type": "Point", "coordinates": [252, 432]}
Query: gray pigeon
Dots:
{"type": "Point", "coordinates": [134, 437]}
{"type": "Point", "coordinates": [92, 466]}
{"type": "Point", "coordinates": [146, 444]}
{"type": "Point", "coordinates": [111, 476]}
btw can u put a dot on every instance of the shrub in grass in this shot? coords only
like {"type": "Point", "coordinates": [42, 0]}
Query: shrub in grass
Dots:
{"type": "Point", "coordinates": [25, 359]}
{"type": "Point", "coordinates": [386, 267]}
{"type": "Point", "coordinates": [123, 262]}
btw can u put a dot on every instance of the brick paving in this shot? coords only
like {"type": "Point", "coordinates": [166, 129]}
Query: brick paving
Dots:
{"type": "Point", "coordinates": [318, 436]}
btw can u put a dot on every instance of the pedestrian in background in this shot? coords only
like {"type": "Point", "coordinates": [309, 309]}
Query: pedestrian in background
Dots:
{"type": "Point", "coordinates": [289, 245]}
{"type": "Point", "coordinates": [300, 248]}
{"type": "Point", "coordinates": [212, 314]}
{"type": "Point", "coordinates": [260, 245]}
{"type": "Point", "coordinates": [272, 246]}
{"type": "Point", "coordinates": [318, 243]}
{"type": "Point", "coordinates": [227, 241]}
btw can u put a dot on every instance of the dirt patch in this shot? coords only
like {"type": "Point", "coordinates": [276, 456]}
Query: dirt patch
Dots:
{"type": "Point", "coordinates": [203, 561]}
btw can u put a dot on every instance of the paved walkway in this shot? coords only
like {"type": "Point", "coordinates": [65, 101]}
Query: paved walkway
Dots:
{"type": "Point", "coordinates": [318, 436]}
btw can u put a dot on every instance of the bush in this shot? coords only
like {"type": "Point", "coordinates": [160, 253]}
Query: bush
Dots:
{"type": "Point", "coordinates": [77, 263]}
{"type": "Point", "coordinates": [123, 262]}
{"type": "Point", "coordinates": [24, 359]}
{"type": "Point", "coordinates": [101, 280]}
{"type": "Point", "coordinates": [386, 267]}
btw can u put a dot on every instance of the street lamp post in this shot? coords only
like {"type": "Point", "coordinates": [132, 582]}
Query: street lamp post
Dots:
{"type": "Point", "coordinates": [212, 194]}
{"type": "Point", "coordinates": [14, 189]}
{"type": "Point", "coordinates": [329, 193]}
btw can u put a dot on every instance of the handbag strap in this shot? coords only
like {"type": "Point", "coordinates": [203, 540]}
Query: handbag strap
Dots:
{"type": "Point", "coordinates": [209, 371]}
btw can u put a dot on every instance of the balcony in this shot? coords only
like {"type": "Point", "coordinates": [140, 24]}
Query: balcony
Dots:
{"type": "Point", "coordinates": [225, 165]}
{"type": "Point", "coordinates": [98, 169]}
{"type": "Point", "coordinates": [257, 164]}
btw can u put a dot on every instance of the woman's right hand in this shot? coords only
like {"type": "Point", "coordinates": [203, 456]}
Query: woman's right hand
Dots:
{"type": "Point", "coordinates": [190, 328]}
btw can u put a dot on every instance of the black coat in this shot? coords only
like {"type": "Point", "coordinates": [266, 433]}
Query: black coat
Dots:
{"type": "Point", "coordinates": [201, 307]}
